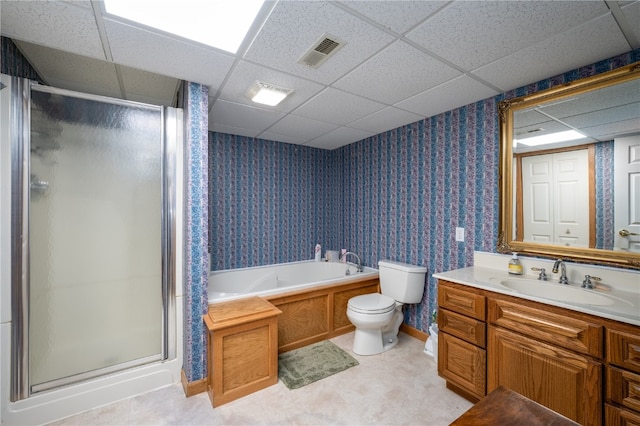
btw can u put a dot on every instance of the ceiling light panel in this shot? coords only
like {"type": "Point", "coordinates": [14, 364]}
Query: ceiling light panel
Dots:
{"type": "Point", "coordinates": [222, 24]}
{"type": "Point", "coordinates": [267, 94]}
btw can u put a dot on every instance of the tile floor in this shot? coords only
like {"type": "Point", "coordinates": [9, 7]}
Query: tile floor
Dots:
{"type": "Point", "coordinates": [398, 387]}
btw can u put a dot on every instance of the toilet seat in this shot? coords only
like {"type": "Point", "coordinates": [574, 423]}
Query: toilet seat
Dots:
{"type": "Point", "coordinates": [374, 303]}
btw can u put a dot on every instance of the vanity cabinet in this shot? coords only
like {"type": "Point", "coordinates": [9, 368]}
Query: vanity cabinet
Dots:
{"type": "Point", "coordinates": [462, 355]}
{"type": "Point", "coordinates": [582, 366]}
{"type": "Point", "coordinates": [623, 378]}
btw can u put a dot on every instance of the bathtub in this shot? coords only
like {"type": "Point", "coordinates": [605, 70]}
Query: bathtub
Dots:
{"type": "Point", "coordinates": [282, 278]}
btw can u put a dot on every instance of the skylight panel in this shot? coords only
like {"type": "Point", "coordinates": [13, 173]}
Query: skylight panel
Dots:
{"type": "Point", "coordinates": [222, 24]}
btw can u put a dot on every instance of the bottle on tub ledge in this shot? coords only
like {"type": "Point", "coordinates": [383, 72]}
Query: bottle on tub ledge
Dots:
{"type": "Point", "coordinates": [342, 255]}
{"type": "Point", "coordinates": [318, 253]}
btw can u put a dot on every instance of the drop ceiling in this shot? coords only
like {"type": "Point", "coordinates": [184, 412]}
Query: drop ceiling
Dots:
{"type": "Point", "coordinates": [402, 61]}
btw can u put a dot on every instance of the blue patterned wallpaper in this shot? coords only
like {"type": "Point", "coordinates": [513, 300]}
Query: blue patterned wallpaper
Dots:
{"type": "Point", "coordinates": [271, 202]}
{"type": "Point", "coordinates": [416, 185]}
{"type": "Point", "coordinates": [194, 101]}
{"type": "Point", "coordinates": [604, 195]}
{"type": "Point", "coordinates": [397, 195]}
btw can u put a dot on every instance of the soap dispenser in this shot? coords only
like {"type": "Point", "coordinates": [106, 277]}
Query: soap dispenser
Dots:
{"type": "Point", "coordinates": [515, 267]}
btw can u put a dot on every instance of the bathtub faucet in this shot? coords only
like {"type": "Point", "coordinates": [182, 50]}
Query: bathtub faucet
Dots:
{"type": "Point", "coordinates": [359, 266]}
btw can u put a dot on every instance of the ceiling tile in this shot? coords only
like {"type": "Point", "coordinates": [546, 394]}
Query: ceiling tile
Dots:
{"type": "Point", "coordinates": [142, 86]}
{"type": "Point", "coordinates": [73, 72]}
{"type": "Point", "coordinates": [157, 53]}
{"type": "Point", "coordinates": [245, 74]}
{"type": "Point", "coordinates": [270, 136]}
{"type": "Point", "coordinates": [336, 106]}
{"type": "Point", "coordinates": [396, 73]}
{"type": "Point", "coordinates": [303, 128]}
{"type": "Point", "coordinates": [61, 25]}
{"type": "Point", "coordinates": [294, 26]}
{"type": "Point", "coordinates": [340, 137]}
{"type": "Point", "coordinates": [586, 44]}
{"type": "Point", "coordinates": [238, 131]}
{"type": "Point", "coordinates": [462, 90]}
{"type": "Point", "coordinates": [242, 116]}
{"type": "Point", "coordinates": [472, 34]}
{"type": "Point", "coordinates": [632, 14]}
{"type": "Point", "coordinates": [398, 16]}
{"type": "Point", "coordinates": [385, 119]}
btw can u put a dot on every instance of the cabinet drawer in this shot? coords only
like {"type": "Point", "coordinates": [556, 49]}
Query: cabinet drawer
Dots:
{"type": "Point", "coordinates": [468, 329]}
{"type": "Point", "coordinates": [623, 387]}
{"type": "Point", "coordinates": [463, 364]}
{"type": "Point", "coordinates": [623, 350]}
{"type": "Point", "coordinates": [461, 301]}
{"type": "Point", "coordinates": [578, 335]}
{"type": "Point", "coordinates": [614, 416]}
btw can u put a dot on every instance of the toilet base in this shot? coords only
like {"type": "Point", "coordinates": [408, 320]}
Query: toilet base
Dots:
{"type": "Point", "coordinates": [376, 341]}
{"type": "Point", "coordinates": [367, 342]}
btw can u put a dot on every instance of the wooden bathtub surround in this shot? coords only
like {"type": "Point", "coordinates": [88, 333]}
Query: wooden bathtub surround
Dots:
{"type": "Point", "coordinates": [310, 316]}
{"type": "Point", "coordinates": [242, 348]}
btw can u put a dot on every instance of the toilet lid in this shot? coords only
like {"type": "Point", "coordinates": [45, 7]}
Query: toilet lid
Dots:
{"type": "Point", "coordinates": [374, 303]}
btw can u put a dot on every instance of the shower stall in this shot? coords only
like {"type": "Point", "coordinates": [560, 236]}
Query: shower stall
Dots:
{"type": "Point", "coordinates": [93, 230]}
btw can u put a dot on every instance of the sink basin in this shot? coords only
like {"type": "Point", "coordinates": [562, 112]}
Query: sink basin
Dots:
{"type": "Point", "coordinates": [558, 292]}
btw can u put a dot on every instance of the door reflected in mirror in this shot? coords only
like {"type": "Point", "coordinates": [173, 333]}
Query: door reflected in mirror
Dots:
{"type": "Point", "coordinates": [570, 170]}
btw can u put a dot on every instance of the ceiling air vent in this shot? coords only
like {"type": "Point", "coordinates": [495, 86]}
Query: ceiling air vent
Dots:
{"type": "Point", "coordinates": [325, 47]}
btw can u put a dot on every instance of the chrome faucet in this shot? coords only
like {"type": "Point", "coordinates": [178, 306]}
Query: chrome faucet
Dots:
{"type": "Point", "coordinates": [359, 266]}
{"type": "Point", "coordinates": [563, 271]}
{"type": "Point", "coordinates": [588, 282]}
{"type": "Point", "coordinates": [542, 276]}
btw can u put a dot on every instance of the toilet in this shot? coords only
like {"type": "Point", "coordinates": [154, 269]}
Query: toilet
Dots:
{"type": "Point", "coordinates": [378, 316]}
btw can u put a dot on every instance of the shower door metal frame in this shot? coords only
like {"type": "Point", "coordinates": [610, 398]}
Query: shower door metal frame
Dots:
{"type": "Point", "coordinates": [171, 132]}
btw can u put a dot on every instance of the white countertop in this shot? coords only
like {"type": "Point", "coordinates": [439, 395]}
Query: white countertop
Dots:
{"type": "Point", "coordinates": [626, 306]}
{"type": "Point", "coordinates": [624, 297]}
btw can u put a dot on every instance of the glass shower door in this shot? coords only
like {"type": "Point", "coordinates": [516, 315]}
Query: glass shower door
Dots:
{"type": "Point", "coordinates": [95, 237]}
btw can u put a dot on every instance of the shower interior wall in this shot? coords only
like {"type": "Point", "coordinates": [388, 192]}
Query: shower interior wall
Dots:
{"type": "Point", "coordinates": [398, 195]}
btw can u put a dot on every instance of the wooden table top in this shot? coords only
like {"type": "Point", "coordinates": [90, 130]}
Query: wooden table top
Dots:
{"type": "Point", "coordinates": [505, 407]}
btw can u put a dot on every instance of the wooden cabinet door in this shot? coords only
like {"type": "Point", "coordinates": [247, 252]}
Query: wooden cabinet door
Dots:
{"type": "Point", "coordinates": [463, 364]}
{"type": "Point", "coordinates": [563, 381]}
{"type": "Point", "coordinates": [615, 416]}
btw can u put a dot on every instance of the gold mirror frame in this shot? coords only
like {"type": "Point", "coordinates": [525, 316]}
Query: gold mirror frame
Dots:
{"type": "Point", "coordinates": [506, 109]}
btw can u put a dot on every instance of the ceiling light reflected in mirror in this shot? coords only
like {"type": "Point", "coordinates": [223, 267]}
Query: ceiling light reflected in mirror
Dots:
{"type": "Point", "coordinates": [568, 135]}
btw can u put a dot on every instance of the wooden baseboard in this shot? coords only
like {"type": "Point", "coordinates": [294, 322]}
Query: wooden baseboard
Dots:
{"type": "Point", "coordinates": [192, 388]}
{"type": "Point", "coordinates": [414, 332]}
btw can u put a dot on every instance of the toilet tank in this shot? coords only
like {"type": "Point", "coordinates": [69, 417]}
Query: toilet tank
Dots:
{"type": "Point", "coordinates": [402, 281]}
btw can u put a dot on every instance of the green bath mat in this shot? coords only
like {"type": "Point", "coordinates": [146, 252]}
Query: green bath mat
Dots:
{"type": "Point", "coordinates": [306, 365]}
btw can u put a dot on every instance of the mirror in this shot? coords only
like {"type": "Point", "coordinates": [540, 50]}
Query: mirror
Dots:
{"type": "Point", "coordinates": [568, 186]}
